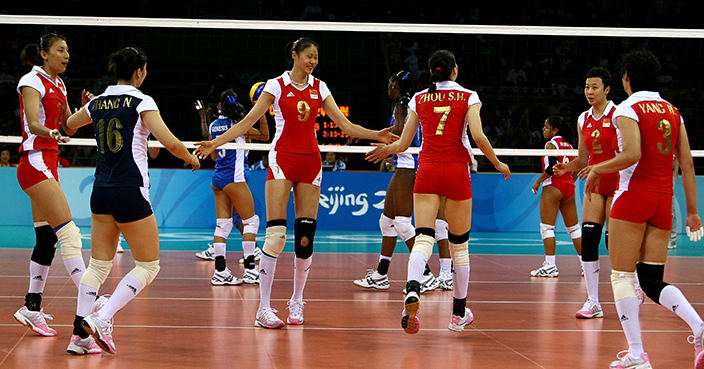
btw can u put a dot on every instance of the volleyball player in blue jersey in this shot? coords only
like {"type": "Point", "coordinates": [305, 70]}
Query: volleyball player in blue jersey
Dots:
{"type": "Point", "coordinates": [230, 189]}
{"type": "Point", "coordinates": [122, 117]}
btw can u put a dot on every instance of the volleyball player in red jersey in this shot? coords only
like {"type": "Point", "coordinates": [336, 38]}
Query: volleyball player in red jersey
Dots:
{"type": "Point", "coordinates": [444, 111]}
{"type": "Point", "coordinates": [557, 196]}
{"type": "Point", "coordinates": [294, 163]}
{"type": "Point", "coordinates": [650, 131]}
{"type": "Point", "coordinates": [596, 132]}
{"type": "Point", "coordinates": [44, 110]}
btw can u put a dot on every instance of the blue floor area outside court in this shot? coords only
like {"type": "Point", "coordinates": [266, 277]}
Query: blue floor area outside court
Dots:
{"type": "Point", "coordinates": [343, 241]}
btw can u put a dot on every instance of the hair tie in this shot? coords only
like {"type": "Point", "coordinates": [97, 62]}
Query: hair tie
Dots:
{"type": "Point", "coordinates": [133, 49]}
{"type": "Point", "coordinates": [438, 69]}
{"type": "Point", "coordinates": [232, 100]}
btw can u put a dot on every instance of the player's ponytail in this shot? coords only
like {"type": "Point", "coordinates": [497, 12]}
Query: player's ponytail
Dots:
{"type": "Point", "coordinates": [124, 62]}
{"type": "Point", "coordinates": [230, 107]}
{"type": "Point", "coordinates": [441, 64]}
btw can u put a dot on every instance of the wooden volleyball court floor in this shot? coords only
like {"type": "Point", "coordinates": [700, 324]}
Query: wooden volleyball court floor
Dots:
{"type": "Point", "coordinates": [182, 321]}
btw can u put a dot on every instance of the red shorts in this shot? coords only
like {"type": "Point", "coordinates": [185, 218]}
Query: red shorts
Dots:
{"type": "Point", "coordinates": [567, 189]}
{"type": "Point", "coordinates": [643, 207]}
{"type": "Point", "coordinates": [297, 168]}
{"type": "Point", "coordinates": [450, 179]}
{"type": "Point", "coordinates": [607, 185]}
{"type": "Point", "coordinates": [36, 166]}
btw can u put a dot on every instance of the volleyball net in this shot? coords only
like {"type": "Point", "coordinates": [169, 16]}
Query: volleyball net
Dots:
{"type": "Point", "coordinates": [522, 74]}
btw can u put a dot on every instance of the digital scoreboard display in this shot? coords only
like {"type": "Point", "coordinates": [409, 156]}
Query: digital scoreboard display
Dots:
{"type": "Point", "coordinates": [326, 130]}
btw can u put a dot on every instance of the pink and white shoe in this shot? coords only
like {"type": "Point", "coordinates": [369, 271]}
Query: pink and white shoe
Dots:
{"type": "Point", "coordinates": [266, 318]}
{"type": "Point", "coordinates": [83, 346]}
{"type": "Point", "coordinates": [458, 323]}
{"type": "Point", "coordinates": [590, 309]}
{"type": "Point", "coordinates": [628, 361]}
{"type": "Point", "coordinates": [698, 341]}
{"type": "Point", "coordinates": [36, 320]}
{"type": "Point", "coordinates": [295, 314]}
{"type": "Point", "coordinates": [101, 330]}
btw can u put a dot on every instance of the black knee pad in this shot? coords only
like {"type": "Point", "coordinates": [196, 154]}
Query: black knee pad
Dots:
{"type": "Point", "coordinates": [45, 248]}
{"type": "Point", "coordinates": [591, 237]}
{"type": "Point", "coordinates": [606, 239]}
{"type": "Point", "coordinates": [426, 231]}
{"type": "Point", "coordinates": [304, 228]}
{"type": "Point", "coordinates": [651, 280]}
{"type": "Point", "coordinates": [458, 239]}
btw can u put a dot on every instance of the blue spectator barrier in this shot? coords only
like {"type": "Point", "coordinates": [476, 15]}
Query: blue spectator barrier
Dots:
{"type": "Point", "coordinates": [350, 201]}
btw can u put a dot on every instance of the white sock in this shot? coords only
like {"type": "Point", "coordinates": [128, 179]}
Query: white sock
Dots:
{"type": "Point", "coordinates": [382, 257]}
{"type": "Point", "coordinates": [128, 288]}
{"type": "Point", "coordinates": [75, 267]}
{"type": "Point", "coordinates": [267, 269]}
{"type": "Point", "coordinates": [591, 279]}
{"type": "Point", "coordinates": [460, 281]}
{"type": "Point", "coordinates": [86, 300]}
{"type": "Point", "coordinates": [672, 298]}
{"type": "Point", "coordinates": [248, 248]}
{"type": "Point", "coordinates": [37, 277]}
{"type": "Point", "coordinates": [628, 309]}
{"type": "Point", "coordinates": [445, 265]}
{"type": "Point", "coordinates": [301, 268]}
{"type": "Point", "coordinates": [416, 266]}
{"type": "Point", "coordinates": [550, 259]}
{"type": "Point", "coordinates": [219, 248]}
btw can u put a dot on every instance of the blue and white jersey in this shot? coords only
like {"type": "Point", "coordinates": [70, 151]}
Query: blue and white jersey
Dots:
{"type": "Point", "coordinates": [234, 161]}
{"type": "Point", "coordinates": [407, 161]}
{"type": "Point", "coordinates": [121, 136]}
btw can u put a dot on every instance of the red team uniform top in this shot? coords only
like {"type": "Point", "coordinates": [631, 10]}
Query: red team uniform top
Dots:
{"type": "Point", "coordinates": [600, 138]}
{"type": "Point", "coordinates": [560, 144]}
{"type": "Point", "coordinates": [659, 124]}
{"type": "Point", "coordinates": [51, 110]}
{"type": "Point", "coordinates": [295, 111]}
{"type": "Point", "coordinates": [443, 122]}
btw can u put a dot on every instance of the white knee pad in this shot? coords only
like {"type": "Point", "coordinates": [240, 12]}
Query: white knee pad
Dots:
{"type": "Point", "coordinates": [386, 225]}
{"type": "Point", "coordinates": [547, 231]}
{"type": "Point", "coordinates": [441, 232]}
{"type": "Point", "coordinates": [70, 239]}
{"type": "Point", "coordinates": [223, 227]}
{"type": "Point", "coordinates": [96, 273]}
{"type": "Point", "coordinates": [622, 284]}
{"type": "Point", "coordinates": [404, 228]}
{"type": "Point", "coordinates": [145, 271]}
{"type": "Point", "coordinates": [460, 253]}
{"type": "Point", "coordinates": [251, 225]}
{"type": "Point", "coordinates": [275, 240]}
{"type": "Point", "coordinates": [575, 231]}
{"type": "Point", "coordinates": [424, 245]}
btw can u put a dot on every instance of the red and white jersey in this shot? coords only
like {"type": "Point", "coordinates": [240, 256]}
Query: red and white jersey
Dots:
{"type": "Point", "coordinates": [560, 144]}
{"type": "Point", "coordinates": [443, 120]}
{"type": "Point", "coordinates": [659, 124]}
{"type": "Point", "coordinates": [600, 135]}
{"type": "Point", "coordinates": [295, 111]}
{"type": "Point", "coordinates": [51, 110]}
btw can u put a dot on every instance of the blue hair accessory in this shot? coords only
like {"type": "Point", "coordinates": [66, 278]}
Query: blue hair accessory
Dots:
{"type": "Point", "coordinates": [405, 76]}
{"type": "Point", "coordinates": [232, 100]}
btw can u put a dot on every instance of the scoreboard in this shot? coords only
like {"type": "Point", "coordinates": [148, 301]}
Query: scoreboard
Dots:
{"type": "Point", "coordinates": [326, 130]}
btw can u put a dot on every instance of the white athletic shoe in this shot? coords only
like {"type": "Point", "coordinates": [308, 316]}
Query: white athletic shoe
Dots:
{"type": "Point", "coordinates": [251, 276]}
{"type": "Point", "coordinates": [295, 312]}
{"type": "Point", "coordinates": [373, 280]}
{"type": "Point", "coordinates": [445, 280]}
{"type": "Point", "coordinates": [547, 270]}
{"type": "Point", "coordinates": [590, 309]}
{"type": "Point", "coordinates": [208, 254]}
{"type": "Point", "coordinates": [257, 255]}
{"type": "Point", "coordinates": [628, 361]}
{"type": "Point", "coordinates": [428, 283]}
{"type": "Point", "coordinates": [698, 341]}
{"type": "Point", "coordinates": [266, 318]}
{"type": "Point", "coordinates": [458, 323]}
{"type": "Point", "coordinates": [83, 346]}
{"type": "Point", "coordinates": [225, 278]}
{"type": "Point", "coordinates": [36, 320]}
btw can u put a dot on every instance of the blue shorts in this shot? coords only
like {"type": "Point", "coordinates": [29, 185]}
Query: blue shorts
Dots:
{"type": "Point", "coordinates": [125, 204]}
{"type": "Point", "coordinates": [223, 177]}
